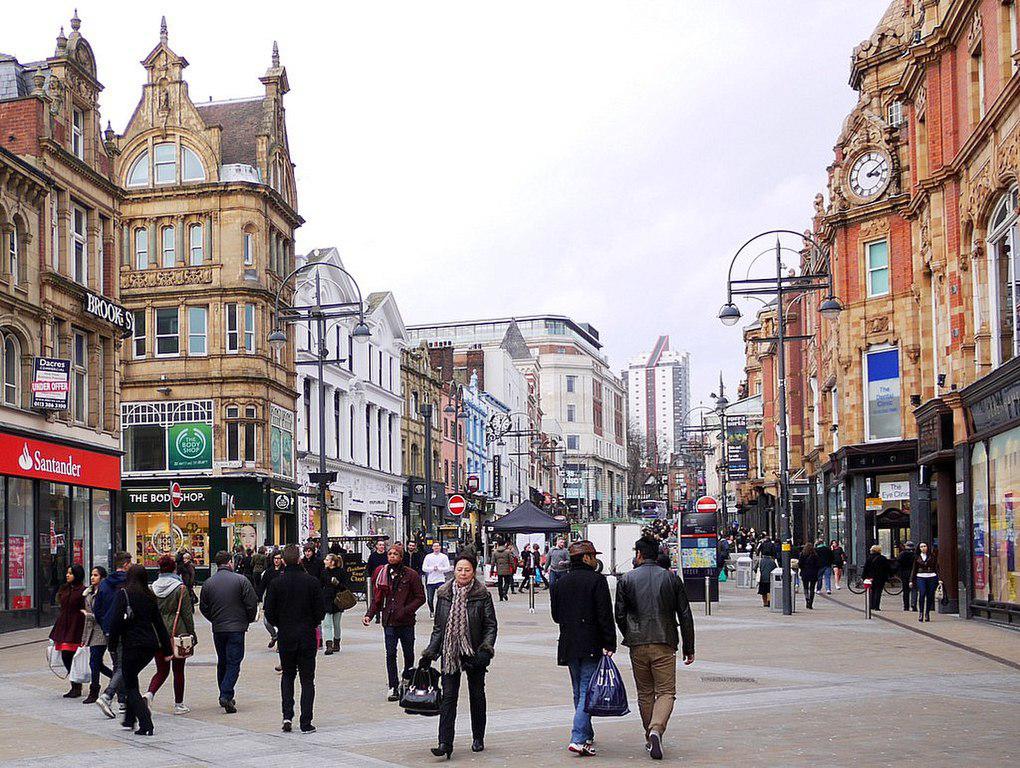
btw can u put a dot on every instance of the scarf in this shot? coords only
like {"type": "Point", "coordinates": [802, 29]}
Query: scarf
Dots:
{"type": "Point", "coordinates": [456, 638]}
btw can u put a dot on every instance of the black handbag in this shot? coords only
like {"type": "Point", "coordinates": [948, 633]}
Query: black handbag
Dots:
{"type": "Point", "coordinates": [422, 695]}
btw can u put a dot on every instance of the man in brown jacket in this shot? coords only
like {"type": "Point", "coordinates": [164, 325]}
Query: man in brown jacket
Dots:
{"type": "Point", "coordinates": [396, 595]}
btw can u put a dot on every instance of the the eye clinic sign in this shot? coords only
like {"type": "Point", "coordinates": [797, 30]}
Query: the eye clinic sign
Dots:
{"type": "Point", "coordinates": [110, 311]}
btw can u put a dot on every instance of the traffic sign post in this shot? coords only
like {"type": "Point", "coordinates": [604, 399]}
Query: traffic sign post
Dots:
{"type": "Point", "coordinates": [707, 505]}
{"type": "Point", "coordinates": [456, 504]}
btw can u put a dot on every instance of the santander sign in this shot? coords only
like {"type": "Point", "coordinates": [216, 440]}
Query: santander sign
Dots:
{"type": "Point", "coordinates": [25, 457]}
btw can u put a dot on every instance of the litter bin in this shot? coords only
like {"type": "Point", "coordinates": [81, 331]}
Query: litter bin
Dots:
{"type": "Point", "coordinates": [745, 573]}
{"type": "Point", "coordinates": [777, 591]}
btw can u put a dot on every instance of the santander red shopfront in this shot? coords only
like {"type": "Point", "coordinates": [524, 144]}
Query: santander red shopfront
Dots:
{"type": "Point", "coordinates": [58, 506]}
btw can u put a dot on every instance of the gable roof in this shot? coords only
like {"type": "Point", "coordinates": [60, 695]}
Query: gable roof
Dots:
{"type": "Point", "coordinates": [241, 122]}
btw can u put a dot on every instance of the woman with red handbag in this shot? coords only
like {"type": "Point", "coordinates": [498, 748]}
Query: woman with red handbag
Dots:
{"type": "Point", "coordinates": [178, 614]}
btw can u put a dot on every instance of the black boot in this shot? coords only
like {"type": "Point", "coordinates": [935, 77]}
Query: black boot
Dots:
{"type": "Point", "coordinates": [478, 745]}
{"type": "Point", "coordinates": [443, 749]}
{"type": "Point", "coordinates": [93, 694]}
{"type": "Point", "coordinates": [75, 692]}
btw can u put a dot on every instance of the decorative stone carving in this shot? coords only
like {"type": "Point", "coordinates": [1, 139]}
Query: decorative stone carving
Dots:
{"type": "Point", "coordinates": [1007, 156]}
{"type": "Point", "coordinates": [878, 324]}
{"type": "Point", "coordinates": [913, 352]}
{"type": "Point", "coordinates": [921, 102]}
{"type": "Point", "coordinates": [924, 234]}
{"type": "Point", "coordinates": [874, 228]}
{"type": "Point", "coordinates": [157, 278]}
{"type": "Point", "coordinates": [979, 190]}
{"type": "Point", "coordinates": [974, 34]}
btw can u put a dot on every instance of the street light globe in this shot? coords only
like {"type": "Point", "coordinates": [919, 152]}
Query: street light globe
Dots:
{"type": "Point", "coordinates": [361, 331]}
{"type": "Point", "coordinates": [830, 308]}
{"type": "Point", "coordinates": [277, 340]}
{"type": "Point", "coordinates": [729, 314]}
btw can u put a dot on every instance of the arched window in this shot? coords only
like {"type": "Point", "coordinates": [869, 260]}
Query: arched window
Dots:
{"type": "Point", "coordinates": [196, 244]}
{"type": "Point", "coordinates": [1003, 277]}
{"type": "Point", "coordinates": [11, 370]}
{"type": "Point", "coordinates": [13, 255]}
{"type": "Point", "coordinates": [138, 176]}
{"type": "Point", "coordinates": [191, 166]}
{"type": "Point", "coordinates": [169, 247]}
{"type": "Point", "coordinates": [141, 248]}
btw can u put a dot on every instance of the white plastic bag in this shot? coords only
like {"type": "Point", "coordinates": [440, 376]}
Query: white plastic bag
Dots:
{"type": "Point", "coordinates": [81, 671]}
{"type": "Point", "coordinates": [54, 660]}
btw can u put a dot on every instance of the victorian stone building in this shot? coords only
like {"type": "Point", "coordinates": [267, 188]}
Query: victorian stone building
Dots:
{"type": "Point", "coordinates": [60, 328]}
{"type": "Point", "coordinates": [422, 391]}
{"type": "Point", "coordinates": [205, 237]}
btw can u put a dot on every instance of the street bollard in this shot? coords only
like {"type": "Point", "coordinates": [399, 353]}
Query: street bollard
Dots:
{"type": "Point", "coordinates": [867, 598]}
{"type": "Point", "coordinates": [708, 595]}
{"type": "Point", "coordinates": [531, 595]}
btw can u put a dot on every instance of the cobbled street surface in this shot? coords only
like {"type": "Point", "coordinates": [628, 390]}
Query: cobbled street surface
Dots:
{"type": "Point", "coordinates": [820, 688]}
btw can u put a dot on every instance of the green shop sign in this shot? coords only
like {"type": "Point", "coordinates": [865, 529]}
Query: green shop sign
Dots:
{"type": "Point", "coordinates": [190, 446]}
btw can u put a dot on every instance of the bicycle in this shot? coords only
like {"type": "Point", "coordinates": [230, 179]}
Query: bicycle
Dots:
{"type": "Point", "coordinates": [892, 587]}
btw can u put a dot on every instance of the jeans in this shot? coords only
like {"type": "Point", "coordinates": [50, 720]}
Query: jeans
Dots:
{"type": "Point", "coordinates": [405, 636]}
{"type": "Point", "coordinates": [96, 653]}
{"type": "Point", "coordinates": [298, 661]}
{"type": "Point", "coordinates": [825, 575]}
{"type": "Point", "coordinates": [926, 594]}
{"type": "Point", "coordinates": [269, 627]}
{"type": "Point", "coordinates": [430, 591]}
{"type": "Point", "coordinates": [448, 705]}
{"type": "Point", "coordinates": [116, 684]}
{"type": "Point", "coordinates": [163, 668]}
{"type": "Point", "coordinates": [331, 626]}
{"type": "Point", "coordinates": [581, 672]}
{"type": "Point", "coordinates": [552, 578]}
{"type": "Point", "coordinates": [132, 663]}
{"type": "Point", "coordinates": [809, 591]}
{"type": "Point", "coordinates": [229, 654]}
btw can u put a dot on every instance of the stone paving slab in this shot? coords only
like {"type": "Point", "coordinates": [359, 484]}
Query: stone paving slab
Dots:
{"type": "Point", "coordinates": [818, 688]}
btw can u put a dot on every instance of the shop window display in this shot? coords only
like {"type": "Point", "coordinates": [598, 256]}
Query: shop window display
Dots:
{"type": "Point", "coordinates": [1004, 498]}
{"type": "Point", "coordinates": [979, 505]}
{"type": "Point", "coordinates": [80, 540]}
{"type": "Point", "coordinates": [54, 517]}
{"type": "Point", "coordinates": [102, 544]}
{"type": "Point", "coordinates": [150, 536]}
{"type": "Point", "coordinates": [19, 550]}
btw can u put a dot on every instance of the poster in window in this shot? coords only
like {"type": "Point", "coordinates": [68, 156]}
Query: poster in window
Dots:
{"type": "Point", "coordinates": [274, 451]}
{"type": "Point", "coordinates": [50, 383]}
{"type": "Point", "coordinates": [287, 453]}
{"type": "Point", "coordinates": [190, 446]}
{"type": "Point", "coordinates": [16, 564]}
{"type": "Point", "coordinates": [883, 377]}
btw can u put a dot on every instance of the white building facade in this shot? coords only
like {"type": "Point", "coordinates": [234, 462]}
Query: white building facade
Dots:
{"type": "Point", "coordinates": [362, 406]}
{"type": "Point", "coordinates": [659, 398]}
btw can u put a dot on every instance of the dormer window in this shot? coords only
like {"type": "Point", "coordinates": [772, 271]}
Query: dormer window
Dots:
{"type": "Point", "coordinates": [78, 133]}
{"type": "Point", "coordinates": [167, 167]}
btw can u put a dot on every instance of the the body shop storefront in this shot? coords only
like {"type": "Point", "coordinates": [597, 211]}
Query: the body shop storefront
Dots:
{"type": "Point", "coordinates": [58, 506]}
{"type": "Point", "coordinates": [211, 514]}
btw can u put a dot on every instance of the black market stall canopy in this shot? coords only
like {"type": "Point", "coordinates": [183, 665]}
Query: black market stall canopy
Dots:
{"type": "Point", "coordinates": [527, 518]}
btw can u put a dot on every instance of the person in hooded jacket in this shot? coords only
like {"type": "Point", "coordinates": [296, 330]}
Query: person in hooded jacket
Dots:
{"type": "Point", "coordinates": [92, 635]}
{"type": "Point", "coordinates": [178, 614]}
{"type": "Point", "coordinates": [138, 633]}
{"type": "Point", "coordinates": [108, 590]}
{"type": "Point", "coordinates": [67, 630]}
{"type": "Point", "coordinates": [464, 636]}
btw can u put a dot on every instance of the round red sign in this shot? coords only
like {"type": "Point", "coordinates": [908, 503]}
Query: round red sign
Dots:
{"type": "Point", "coordinates": [176, 496]}
{"type": "Point", "coordinates": [456, 504]}
{"type": "Point", "coordinates": [707, 504]}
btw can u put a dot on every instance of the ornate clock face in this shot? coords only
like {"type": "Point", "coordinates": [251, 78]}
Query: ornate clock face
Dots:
{"type": "Point", "coordinates": [870, 174]}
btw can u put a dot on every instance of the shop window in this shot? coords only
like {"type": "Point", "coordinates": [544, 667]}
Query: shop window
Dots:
{"type": "Point", "coordinates": [169, 244]}
{"type": "Point", "coordinates": [141, 248]}
{"type": "Point", "coordinates": [144, 448]}
{"type": "Point", "coordinates": [102, 530]}
{"type": "Point", "coordinates": [79, 221]}
{"type": "Point", "coordinates": [882, 395]}
{"type": "Point", "coordinates": [11, 370]}
{"type": "Point", "coordinates": [1003, 276]}
{"type": "Point", "coordinates": [168, 342]}
{"type": "Point", "coordinates": [150, 535]}
{"type": "Point", "coordinates": [81, 541]}
{"type": "Point", "coordinates": [55, 534]}
{"type": "Point", "coordinates": [979, 507]}
{"type": "Point", "coordinates": [138, 335]}
{"type": "Point", "coordinates": [1003, 499]}
{"type": "Point", "coordinates": [19, 554]}
{"type": "Point", "coordinates": [80, 377]}
{"type": "Point", "coordinates": [198, 318]}
{"type": "Point", "coordinates": [878, 268]}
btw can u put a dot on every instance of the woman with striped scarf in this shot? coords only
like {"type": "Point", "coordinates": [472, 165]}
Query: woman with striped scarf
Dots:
{"type": "Point", "coordinates": [464, 636]}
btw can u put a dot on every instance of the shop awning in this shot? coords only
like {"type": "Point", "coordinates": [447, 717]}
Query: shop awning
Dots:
{"type": "Point", "coordinates": [528, 518]}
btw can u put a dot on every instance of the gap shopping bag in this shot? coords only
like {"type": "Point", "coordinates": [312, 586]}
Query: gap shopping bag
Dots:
{"type": "Point", "coordinates": [81, 670]}
{"type": "Point", "coordinates": [606, 696]}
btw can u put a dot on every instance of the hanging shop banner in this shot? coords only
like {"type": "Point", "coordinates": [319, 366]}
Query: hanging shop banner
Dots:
{"type": "Point", "coordinates": [50, 383]}
{"type": "Point", "coordinates": [736, 447]}
{"type": "Point", "coordinates": [883, 371]}
{"type": "Point", "coordinates": [190, 446]}
{"type": "Point", "coordinates": [25, 457]}
{"type": "Point", "coordinates": [497, 476]}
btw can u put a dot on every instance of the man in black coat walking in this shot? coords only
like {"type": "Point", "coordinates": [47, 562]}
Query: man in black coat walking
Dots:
{"type": "Point", "coordinates": [293, 605]}
{"type": "Point", "coordinates": [581, 605]}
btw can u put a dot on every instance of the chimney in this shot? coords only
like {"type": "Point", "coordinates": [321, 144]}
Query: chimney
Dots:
{"type": "Point", "coordinates": [441, 358]}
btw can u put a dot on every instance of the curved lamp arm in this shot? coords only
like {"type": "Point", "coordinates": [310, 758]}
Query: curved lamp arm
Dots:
{"type": "Point", "coordinates": [802, 235]}
{"type": "Point", "coordinates": [312, 265]}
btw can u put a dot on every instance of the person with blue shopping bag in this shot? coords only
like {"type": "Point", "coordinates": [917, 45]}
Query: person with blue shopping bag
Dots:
{"type": "Point", "coordinates": [583, 609]}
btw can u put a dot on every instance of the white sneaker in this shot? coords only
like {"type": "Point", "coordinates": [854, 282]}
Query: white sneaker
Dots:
{"type": "Point", "coordinates": [105, 703]}
{"type": "Point", "coordinates": [181, 709]}
{"type": "Point", "coordinates": [838, 587]}
{"type": "Point", "coordinates": [581, 749]}
{"type": "Point", "coordinates": [122, 707]}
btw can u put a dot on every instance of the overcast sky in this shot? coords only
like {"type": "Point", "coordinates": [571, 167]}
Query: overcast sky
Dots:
{"type": "Point", "coordinates": [596, 160]}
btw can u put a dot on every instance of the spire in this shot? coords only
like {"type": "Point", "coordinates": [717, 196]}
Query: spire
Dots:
{"type": "Point", "coordinates": [75, 21]}
{"type": "Point", "coordinates": [162, 31]}
{"type": "Point", "coordinates": [61, 42]}
{"type": "Point", "coordinates": [276, 55]}
{"type": "Point", "coordinates": [722, 388]}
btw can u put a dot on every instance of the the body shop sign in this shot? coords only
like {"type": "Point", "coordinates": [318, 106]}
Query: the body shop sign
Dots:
{"type": "Point", "coordinates": [24, 457]}
{"type": "Point", "coordinates": [190, 446]}
{"type": "Point", "coordinates": [50, 383]}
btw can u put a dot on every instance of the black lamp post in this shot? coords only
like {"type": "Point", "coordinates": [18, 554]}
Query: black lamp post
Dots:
{"type": "Point", "coordinates": [320, 313]}
{"type": "Point", "coordinates": [780, 286]}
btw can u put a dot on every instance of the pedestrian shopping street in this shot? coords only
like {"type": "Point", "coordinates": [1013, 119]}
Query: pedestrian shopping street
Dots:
{"type": "Point", "coordinates": [820, 688]}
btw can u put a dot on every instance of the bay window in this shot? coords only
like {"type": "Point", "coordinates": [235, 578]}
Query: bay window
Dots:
{"type": "Point", "coordinates": [80, 236]}
{"type": "Point", "coordinates": [1004, 280]}
{"type": "Point", "coordinates": [249, 328]}
{"type": "Point", "coordinates": [80, 377]}
{"type": "Point", "coordinates": [230, 315]}
{"type": "Point", "coordinates": [138, 335]}
{"type": "Point", "coordinates": [167, 332]}
{"type": "Point", "coordinates": [141, 248]}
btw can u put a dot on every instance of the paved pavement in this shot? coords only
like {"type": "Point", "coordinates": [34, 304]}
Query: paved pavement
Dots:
{"type": "Point", "coordinates": [820, 688]}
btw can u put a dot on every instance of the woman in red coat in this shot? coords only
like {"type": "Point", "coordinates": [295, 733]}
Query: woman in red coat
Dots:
{"type": "Point", "coordinates": [67, 630]}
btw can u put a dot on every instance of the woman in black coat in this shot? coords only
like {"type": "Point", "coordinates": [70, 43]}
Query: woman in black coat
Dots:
{"type": "Point", "coordinates": [334, 579]}
{"type": "Point", "coordinates": [809, 565]}
{"type": "Point", "coordinates": [876, 568]}
{"type": "Point", "coordinates": [464, 635]}
{"type": "Point", "coordinates": [137, 629]}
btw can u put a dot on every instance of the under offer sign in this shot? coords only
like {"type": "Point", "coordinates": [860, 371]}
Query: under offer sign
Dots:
{"type": "Point", "coordinates": [456, 504]}
{"type": "Point", "coordinates": [25, 457]}
{"type": "Point", "coordinates": [50, 383]}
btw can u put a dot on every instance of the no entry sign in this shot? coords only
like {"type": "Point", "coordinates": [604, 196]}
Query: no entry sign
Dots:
{"type": "Point", "coordinates": [707, 504]}
{"type": "Point", "coordinates": [456, 504]}
{"type": "Point", "coordinates": [176, 497]}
